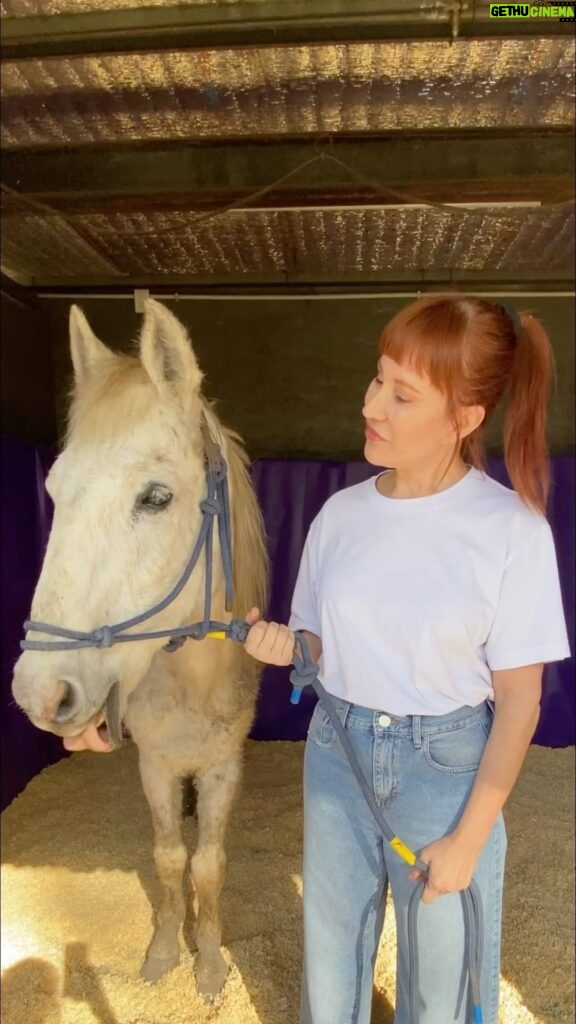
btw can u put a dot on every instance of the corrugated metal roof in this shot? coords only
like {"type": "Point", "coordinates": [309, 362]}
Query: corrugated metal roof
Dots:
{"type": "Point", "coordinates": [31, 8]}
{"type": "Point", "coordinates": [285, 243]}
{"type": "Point", "coordinates": [368, 87]}
{"type": "Point", "coordinates": [287, 92]}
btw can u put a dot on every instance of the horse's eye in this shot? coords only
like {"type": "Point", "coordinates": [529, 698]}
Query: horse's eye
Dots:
{"type": "Point", "coordinates": [155, 498]}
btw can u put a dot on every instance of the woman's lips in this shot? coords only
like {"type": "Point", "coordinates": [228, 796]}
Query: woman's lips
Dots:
{"type": "Point", "coordinates": [371, 435]}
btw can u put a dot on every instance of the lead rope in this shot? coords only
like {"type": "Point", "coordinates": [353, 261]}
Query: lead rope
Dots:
{"type": "Point", "coordinates": [305, 673]}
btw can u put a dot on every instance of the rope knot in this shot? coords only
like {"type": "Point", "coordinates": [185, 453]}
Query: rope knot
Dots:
{"type": "Point", "coordinates": [175, 643]}
{"type": "Point", "coordinates": [210, 507]}
{"type": "Point", "coordinates": [220, 470]}
{"type": "Point", "coordinates": [238, 630]}
{"type": "Point", "coordinates": [305, 671]}
{"type": "Point", "coordinates": [303, 675]}
{"type": "Point", "coordinates": [104, 637]}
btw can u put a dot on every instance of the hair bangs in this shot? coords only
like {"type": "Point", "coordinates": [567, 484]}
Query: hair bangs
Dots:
{"type": "Point", "coordinates": [427, 337]}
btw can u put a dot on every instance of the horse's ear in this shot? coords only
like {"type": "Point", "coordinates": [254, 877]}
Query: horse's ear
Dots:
{"type": "Point", "coordinates": [166, 352]}
{"type": "Point", "coordinates": [85, 348]}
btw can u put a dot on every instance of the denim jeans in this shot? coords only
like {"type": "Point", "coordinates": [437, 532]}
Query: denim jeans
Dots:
{"type": "Point", "coordinates": [422, 770]}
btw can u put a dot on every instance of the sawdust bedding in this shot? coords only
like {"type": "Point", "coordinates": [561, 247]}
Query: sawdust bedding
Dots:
{"type": "Point", "coordinates": [78, 884]}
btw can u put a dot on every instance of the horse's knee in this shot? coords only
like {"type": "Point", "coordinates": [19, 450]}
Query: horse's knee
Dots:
{"type": "Point", "coordinates": [208, 867]}
{"type": "Point", "coordinates": [170, 859]}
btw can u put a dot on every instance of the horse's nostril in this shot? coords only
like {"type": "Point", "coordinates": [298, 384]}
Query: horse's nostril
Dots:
{"type": "Point", "coordinates": [67, 702]}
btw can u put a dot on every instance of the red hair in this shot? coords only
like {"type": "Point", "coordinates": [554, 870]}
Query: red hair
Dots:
{"type": "Point", "coordinates": [472, 351]}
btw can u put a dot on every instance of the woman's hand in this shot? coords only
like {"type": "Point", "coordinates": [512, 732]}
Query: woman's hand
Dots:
{"type": "Point", "coordinates": [450, 868]}
{"type": "Point", "coordinates": [268, 641]}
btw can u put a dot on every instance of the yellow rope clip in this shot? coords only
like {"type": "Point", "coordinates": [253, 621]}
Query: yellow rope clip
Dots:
{"type": "Point", "coordinates": [402, 850]}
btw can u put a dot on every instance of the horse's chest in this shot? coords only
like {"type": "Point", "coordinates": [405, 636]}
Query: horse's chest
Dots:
{"type": "Point", "coordinates": [190, 733]}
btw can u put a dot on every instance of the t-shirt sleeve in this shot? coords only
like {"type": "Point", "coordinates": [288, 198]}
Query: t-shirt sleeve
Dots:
{"type": "Point", "coordinates": [529, 626]}
{"type": "Point", "coordinates": [304, 612]}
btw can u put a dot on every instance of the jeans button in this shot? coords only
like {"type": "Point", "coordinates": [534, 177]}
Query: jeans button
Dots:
{"type": "Point", "coordinates": [385, 721]}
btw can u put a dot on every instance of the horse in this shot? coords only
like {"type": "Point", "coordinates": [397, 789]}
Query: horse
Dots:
{"type": "Point", "coordinates": [128, 489]}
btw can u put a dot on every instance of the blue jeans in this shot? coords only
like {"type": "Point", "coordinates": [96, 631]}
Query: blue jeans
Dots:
{"type": "Point", "coordinates": [422, 770]}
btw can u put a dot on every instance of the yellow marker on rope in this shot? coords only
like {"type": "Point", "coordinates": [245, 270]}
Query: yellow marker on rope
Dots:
{"type": "Point", "coordinates": [217, 635]}
{"type": "Point", "coordinates": [402, 850]}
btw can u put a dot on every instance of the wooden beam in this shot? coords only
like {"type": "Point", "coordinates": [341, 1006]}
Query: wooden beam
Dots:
{"type": "Point", "coordinates": [278, 282]}
{"type": "Point", "coordinates": [21, 294]}
{"type": "Point", "coordinates": [449, 166]}
{"type": "Point", "coordinates": [274, 22]}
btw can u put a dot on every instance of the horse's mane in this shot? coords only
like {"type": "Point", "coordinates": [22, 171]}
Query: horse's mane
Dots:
{"type": "Point", "coordinates": [249, 554]}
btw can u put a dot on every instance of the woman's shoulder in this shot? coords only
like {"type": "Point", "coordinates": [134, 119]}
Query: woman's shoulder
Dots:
{"type": "Point", "coordinates": [500, 503]}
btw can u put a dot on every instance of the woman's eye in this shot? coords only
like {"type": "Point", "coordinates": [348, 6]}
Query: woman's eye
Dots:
{"type": "Point", "coordinates": [155, 498]}
{"type": "Point", "coordinates": [403, 401]}
{"type": "Point", "coordinates": [377, 380]}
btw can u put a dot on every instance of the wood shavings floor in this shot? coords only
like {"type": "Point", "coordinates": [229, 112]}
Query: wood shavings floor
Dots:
{"type": "Point", "coordinates": [78, 884]}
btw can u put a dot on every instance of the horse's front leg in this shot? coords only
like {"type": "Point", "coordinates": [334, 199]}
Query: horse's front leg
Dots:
{"type": "Point", "coordinates": [216, 790]}
{"type": "Point", "coordinates": [163, 791]}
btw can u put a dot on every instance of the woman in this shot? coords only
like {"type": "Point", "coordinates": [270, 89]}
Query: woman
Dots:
{"type": "Point", "coordinates": [430, 596]}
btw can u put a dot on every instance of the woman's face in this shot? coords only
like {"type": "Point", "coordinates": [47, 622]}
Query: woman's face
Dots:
{"type": "Point", "coordinates": [407, 425]}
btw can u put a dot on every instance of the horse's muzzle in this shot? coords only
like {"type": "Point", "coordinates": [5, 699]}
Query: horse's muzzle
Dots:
{"type": "Point", "coordinates": [58, 703]}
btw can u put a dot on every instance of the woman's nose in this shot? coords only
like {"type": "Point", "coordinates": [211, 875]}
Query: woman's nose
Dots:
{"type": "Point", "coordinates": [373, 408]}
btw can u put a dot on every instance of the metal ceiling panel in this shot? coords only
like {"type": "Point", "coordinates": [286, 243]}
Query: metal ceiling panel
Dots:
{"type": "Point", "coordinates": [36, 8]}
{"type": "Point", "coordinates": [313, 243]}
{"type": "Point", "coordinates": [292, 90]}
{"type": "Point", "coordinates": [33, 245]}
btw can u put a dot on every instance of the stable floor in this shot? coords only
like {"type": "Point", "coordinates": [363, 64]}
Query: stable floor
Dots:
{"type": "Point", "coordinates": [78, 885]}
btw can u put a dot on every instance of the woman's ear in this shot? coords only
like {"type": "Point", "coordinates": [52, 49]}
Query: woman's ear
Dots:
{"type": "Point", "coordinates": [469, 419]}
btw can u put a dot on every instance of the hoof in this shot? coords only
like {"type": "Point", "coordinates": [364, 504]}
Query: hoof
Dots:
{"type": "Point", "coordinates": [210, 977]}
{"type": "Point", "coordinates": [155, 967]}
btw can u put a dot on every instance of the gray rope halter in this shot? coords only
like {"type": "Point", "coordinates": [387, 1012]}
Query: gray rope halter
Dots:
{"type": "Point", "coordinates": [216, 505]}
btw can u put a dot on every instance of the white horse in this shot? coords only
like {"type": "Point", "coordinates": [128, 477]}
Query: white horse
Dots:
{"type": "Point", "coordinates": [127, 490]}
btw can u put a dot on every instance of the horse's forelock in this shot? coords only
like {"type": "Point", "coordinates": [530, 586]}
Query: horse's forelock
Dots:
{"type": "Point", "coordinates": [119, 396]}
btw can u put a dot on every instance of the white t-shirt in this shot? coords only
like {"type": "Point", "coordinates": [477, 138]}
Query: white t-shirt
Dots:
{"type": "Point", "coordinates": [416, 600]}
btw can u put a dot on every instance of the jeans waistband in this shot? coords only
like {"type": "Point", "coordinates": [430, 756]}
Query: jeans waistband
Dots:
{"type": "Point", "coordinates": [414, 726]}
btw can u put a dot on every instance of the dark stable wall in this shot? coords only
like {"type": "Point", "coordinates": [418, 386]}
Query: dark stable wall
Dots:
{"type": "Point", "coordinates": [290, 375]}
{"type": "Point", "coordinates": [27, 401]}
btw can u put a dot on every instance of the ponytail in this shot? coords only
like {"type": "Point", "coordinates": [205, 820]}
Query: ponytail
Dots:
{"type": "Point", "coordinates": [525, 446]}
{"type": "Point", "coordinates": [477, 353]}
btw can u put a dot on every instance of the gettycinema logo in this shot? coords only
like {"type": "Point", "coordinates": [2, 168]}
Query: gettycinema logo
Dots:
{"type": "Point", "coordinates": [565, 12]}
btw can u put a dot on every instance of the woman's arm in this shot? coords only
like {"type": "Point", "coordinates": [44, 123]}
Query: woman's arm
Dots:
{"type": "Point", "coordinates": [517, 694]}
{"type": "Point", "coordinates": [452, 859]}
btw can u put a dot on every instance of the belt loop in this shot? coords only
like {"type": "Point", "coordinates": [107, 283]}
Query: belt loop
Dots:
{"type": "Point", "coordinates": [416, 731]}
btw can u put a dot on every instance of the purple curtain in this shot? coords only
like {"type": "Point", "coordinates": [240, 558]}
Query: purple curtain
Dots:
{"type": "Point", "coordinates": [26, 516]}
{"type": "Point", "coordinates": [290, 493]}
